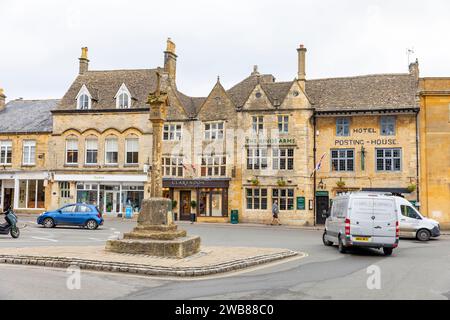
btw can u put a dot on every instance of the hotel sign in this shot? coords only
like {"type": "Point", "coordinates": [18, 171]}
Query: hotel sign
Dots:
{"type": "Point", "coordinates": [371, 141]}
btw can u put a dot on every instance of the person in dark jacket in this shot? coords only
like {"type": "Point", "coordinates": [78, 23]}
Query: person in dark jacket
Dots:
{"type": "Point", "coordinates": [275, 211]}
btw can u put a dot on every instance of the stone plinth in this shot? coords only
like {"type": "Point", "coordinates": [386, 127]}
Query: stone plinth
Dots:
{"type": "Point", "coordinates": [155, 234]}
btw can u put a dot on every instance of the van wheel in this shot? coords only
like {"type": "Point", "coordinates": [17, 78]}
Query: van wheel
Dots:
{"type": "Point", "coordinates": [423, 235]}
{"type": "Point", "coordinates": [325, 241]}
{"type": "Point", "coordinates": [341, 246]}
{"type": "Point", "coordinates": [387, 251]}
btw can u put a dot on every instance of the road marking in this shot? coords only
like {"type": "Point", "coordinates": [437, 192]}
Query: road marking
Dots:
{"type": "Point", "coordinates": [38, 238]}
{"type": "Point", "coordinates": [95, 239]}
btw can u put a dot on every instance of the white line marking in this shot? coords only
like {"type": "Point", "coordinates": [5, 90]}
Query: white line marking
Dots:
{"type": "Point", "coordinates": [38, 238]}
{"type": "Point", "coordinates": [95, 239]}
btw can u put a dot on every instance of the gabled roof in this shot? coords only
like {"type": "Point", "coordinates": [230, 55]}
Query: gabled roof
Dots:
{"type": "Point", "coordinates": [27, 116]}
{"type": "Point", "coordinates": [370, 92]}
{"type": "Point", "coordinates": [103, 86]}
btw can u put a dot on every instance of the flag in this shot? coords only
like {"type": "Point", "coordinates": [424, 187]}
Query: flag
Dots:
{"type": "Point", "coordinates": [319, 164]}
{"type": "Point", "coordinates": [193, 168]}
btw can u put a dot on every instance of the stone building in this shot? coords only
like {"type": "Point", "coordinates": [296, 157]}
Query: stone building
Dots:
{"type": "Point", "coordinates": [435, 149]}
{"type": "Point", "coordinates": [25, 128]}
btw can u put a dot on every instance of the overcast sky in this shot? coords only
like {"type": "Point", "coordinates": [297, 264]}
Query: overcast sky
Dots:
{"type": "Point", "coordinates": [41, 40]}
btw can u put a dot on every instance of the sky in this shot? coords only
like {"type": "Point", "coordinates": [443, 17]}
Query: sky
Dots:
{"type": "Point", "coordinates": [41, 40]}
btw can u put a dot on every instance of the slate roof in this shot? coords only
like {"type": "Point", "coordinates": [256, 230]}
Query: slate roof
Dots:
{"type": "Point", "coordinates": [103, 87]}
{"type": "Point", "coordinates": [27, 116]}
{"type": "Point", "coordinates": [371, 92]}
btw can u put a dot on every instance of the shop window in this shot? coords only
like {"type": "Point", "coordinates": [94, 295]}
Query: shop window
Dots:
{"type": "Point", "coordinates": [387, 124]}
{"type": "Point", "coordinates": [87, 193]}
{"type": "Point", "coordinates": [172, 132]}
{"type": "Point", "coordinates": [342, 160]}
{"type": "Point", "coordinates": [256, 198]}
{"type": "Point", "coordinates": [132, 150]}
{"type": "Point", "coordinates": [64, 189]}
{"type": "Point", "coordinates": [256, 158]}
{"type": "Point", "coordinates": [29, 152]}
{"type": "Point", "coordinates": [283, 159]}
{"type": "Point", "coordinates": [111, 150]}
{"type": "Point", "coordinates": [91, 151]}
{"type": "Point", "coordinates": [389, 159]}
{"type": "Point", "coordinates": [284, 197]}
{"type": "Point", "coordinates": [283, 124]}
{"type": "Point", "coordinates": [5, 152]}
{"type": "Point", "coordinates": [31, 194]}
{"type": "Point", "coordinates": [214, 165]}
{"type": "Point", "coordinates": [257, 124]}
{"type": "Point", "coordinates": [342, 127]}
{"type": "Point", "coordinates": [214, 131]}
{"type": "Point", "coordinates": [71, 151]}
{"type": "Point", "coordinates": [172, 166]}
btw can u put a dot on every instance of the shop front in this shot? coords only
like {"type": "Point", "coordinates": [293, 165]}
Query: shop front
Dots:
{"type": "Point", "coordinates": [112, 194]}
{"type": "Point", "coordinates": [206, 198]}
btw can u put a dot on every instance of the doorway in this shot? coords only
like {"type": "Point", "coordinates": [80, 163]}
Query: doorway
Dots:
{"type": "Point", "coordinates": [185, 205]}
{"type": "Point", "coordinates": [111, 202]}
{"type": "Point", "coordinates": [322, 204]}
{"type": "Point", "coordinates": [8, 198]}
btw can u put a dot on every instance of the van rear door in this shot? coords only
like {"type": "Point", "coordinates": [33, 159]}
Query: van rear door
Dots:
{"type": "Point", "coordinates": [361, 212]}
{"type": "Point", "coordinates": [385, 218]}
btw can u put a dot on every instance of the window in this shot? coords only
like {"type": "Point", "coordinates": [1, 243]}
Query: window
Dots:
{"type": "Point", "coordinates": [64, 189]}
{"type": "Point", "coordinates": [123, 101]}
{"type": "Point", "coordinates": [342, 160]}
{"type": "Point", "coordinates": [31, 194]}
{"type": "Point", "coordinates": [111, 150]}
{"type": "Point", "coordinates": [83, 209]}
{"type": "Point", "coordinates": [84, 102]}
{"type": "Point", "coordinates": [172, 166]}
{"type": "Point", "coordinates": [256, 158]}
{"type": "Point", "coordinates": [5, 152]}
{"type": "Point", "coordinates": [256, 198]}
{"type": "Point", "coordinates": [409, 212]}
{"type": "Point", "coordinates": [132, 150]}
{"type": "Point", "coordinates": [71, 151]}
{"type": "Point", "coordinates": [283, 124]}
{"type": "Point", "coordinates": [257, 124]}
{"type": "Point", "coordinates": [342, 127]}
{"type": "Point", "coordinates": [29, 152]}
{"type": "Point", "coordinates": [214, 131]}
{"type": "Point", "coordinates": [388, 159]}
{"type": "Point", "coordinates": [387, 126]}
{"type": "Point", "coordinates": [91, 151]}
{"type": "Point", "coordinates": [68, 209]}
{"type": "Point", "coordinates": [213, 165]}
{"type": "Point", "coordinates": [284, 197]}
{"type": "Point", "coordinates": [283, 159]}
{"type": "Point", "coordinates": [172, 132]}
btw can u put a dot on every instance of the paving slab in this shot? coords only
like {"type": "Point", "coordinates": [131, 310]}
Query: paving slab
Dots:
{"type": "Point", "coordinates": [210, 260]}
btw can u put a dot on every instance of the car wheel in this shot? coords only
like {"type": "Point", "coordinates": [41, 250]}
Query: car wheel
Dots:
{"type": "Point", "coordinates": [325, 241]}
{"type": "Point", "coordinates": [387, 251]}
{"type": "Point", "coordinates": [15, 232]}
{"type": "Point", "coordinates": [423, 235]}
{"type": "Point", "coordinates": [48, 223]}
{"type": "Point", "coordinates": [341, 246]}
{"type": "Point", "coordinates": [91, 224]}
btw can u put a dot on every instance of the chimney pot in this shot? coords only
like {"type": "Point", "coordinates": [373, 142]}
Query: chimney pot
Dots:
{"type": "Point", "coordinates": [170, 59]}
{"type": "Point", "coordinates": [2, 100]}
{"type": "Point", "coordinates": [84, 61]}
{"type": "Point", "coordinates": [301, 76]}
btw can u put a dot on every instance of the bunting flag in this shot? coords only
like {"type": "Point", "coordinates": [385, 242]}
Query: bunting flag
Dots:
{"type": "Point", "coordinates": [318, 165]}
{"type": "Point", "coordinates": [193, 168]}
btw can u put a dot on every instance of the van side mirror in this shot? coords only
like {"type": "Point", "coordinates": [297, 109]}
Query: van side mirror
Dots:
{"type": "Point", "coordinates": [325, 213]}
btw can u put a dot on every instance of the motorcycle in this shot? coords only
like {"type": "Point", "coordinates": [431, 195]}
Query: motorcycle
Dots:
{"type": "Point", "coordinates": [11, 224]}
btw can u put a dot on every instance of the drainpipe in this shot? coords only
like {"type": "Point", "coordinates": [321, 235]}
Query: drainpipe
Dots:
{"type": "Point", "coordinates": [417, 157]}
{"type": "Point", "coordinates": [314, 166]}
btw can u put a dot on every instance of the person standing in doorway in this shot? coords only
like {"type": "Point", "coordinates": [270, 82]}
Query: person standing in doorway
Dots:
{"type": "Point", "coordinates": [275, 211]}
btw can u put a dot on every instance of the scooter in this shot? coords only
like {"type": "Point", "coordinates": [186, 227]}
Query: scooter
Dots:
{"type": "Point", "coordinates": [11, 224]}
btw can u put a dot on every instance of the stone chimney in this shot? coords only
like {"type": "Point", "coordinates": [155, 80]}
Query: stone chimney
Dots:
{"type": "Point", "coordinates": [170, 60]}
{"type": "Point", "coordinates": [2, 100]}
{"type": "Point", "coordinates": [414, 69]}
{"type": "Point", "coordinates": [84, 61]}
{"type": "Point", "coordinates": [301, 76]}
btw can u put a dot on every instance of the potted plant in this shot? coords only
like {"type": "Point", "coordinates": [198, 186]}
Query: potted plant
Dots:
{"type": "Point", "coordinates": [174, 205]}
{"type": "Point", "coordinates": [193, 213]}
{"type": "Point", "coordinates": [411, 188]}
{"type": "Point", "coordinates": [281, 182]}
{"type": "Point", "coordinates": [255, 181]}
{"type": "Point", "coordinates": [340, 183]}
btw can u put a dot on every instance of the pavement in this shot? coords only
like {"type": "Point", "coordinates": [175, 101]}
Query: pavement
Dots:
{"type": "Point", "coordinates": [416, 270]}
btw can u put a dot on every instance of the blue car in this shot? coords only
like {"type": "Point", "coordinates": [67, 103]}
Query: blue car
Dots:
{"type": "Point", "coordinates": [78, 214]}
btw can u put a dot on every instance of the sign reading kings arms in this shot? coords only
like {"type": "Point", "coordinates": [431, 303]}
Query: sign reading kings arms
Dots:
{"type": "Point", "coordinates": [270, 141]}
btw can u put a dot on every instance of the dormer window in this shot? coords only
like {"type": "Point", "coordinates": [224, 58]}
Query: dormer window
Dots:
{"type": "Point", "coordinates": [84, 99]}
{"type": "Point", "coordinates": [123, 98]}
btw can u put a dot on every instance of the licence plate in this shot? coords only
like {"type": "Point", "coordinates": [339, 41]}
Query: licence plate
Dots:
{"type": "Point", "coordinates": [362, 239]}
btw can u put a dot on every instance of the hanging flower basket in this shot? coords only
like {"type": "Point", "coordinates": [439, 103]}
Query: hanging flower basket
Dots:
{"type": "Point", "coordinates": [340, 183]}
{"type": "Point", "coordinates": [411, 188]}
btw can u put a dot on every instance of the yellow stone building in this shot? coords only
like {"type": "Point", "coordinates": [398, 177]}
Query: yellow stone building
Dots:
{"type": "Point", "coordinates": [435, 149]}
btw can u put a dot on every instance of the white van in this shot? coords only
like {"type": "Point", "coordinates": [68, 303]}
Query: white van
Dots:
{"type": "Point", "coordinates": [413, 224]}
{"type": "Point", "coordinates": [363, 219]}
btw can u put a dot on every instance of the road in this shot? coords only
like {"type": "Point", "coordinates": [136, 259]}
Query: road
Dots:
{"type": "Point", "coordinates": [416, 270]}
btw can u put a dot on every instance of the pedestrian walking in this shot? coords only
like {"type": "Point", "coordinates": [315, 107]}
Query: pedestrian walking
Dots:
{"type": "Point", "coordinates": [275, 211]}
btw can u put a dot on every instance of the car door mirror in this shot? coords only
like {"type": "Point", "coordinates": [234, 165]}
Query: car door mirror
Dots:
{"type": "Point", "coordinates": [59, 211]}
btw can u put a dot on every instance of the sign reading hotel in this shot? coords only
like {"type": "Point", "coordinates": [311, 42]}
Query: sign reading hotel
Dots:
{"type": "Point", "coordinates": [269, 141]}
{"type": "Point", "coordinates": [374, 141]}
